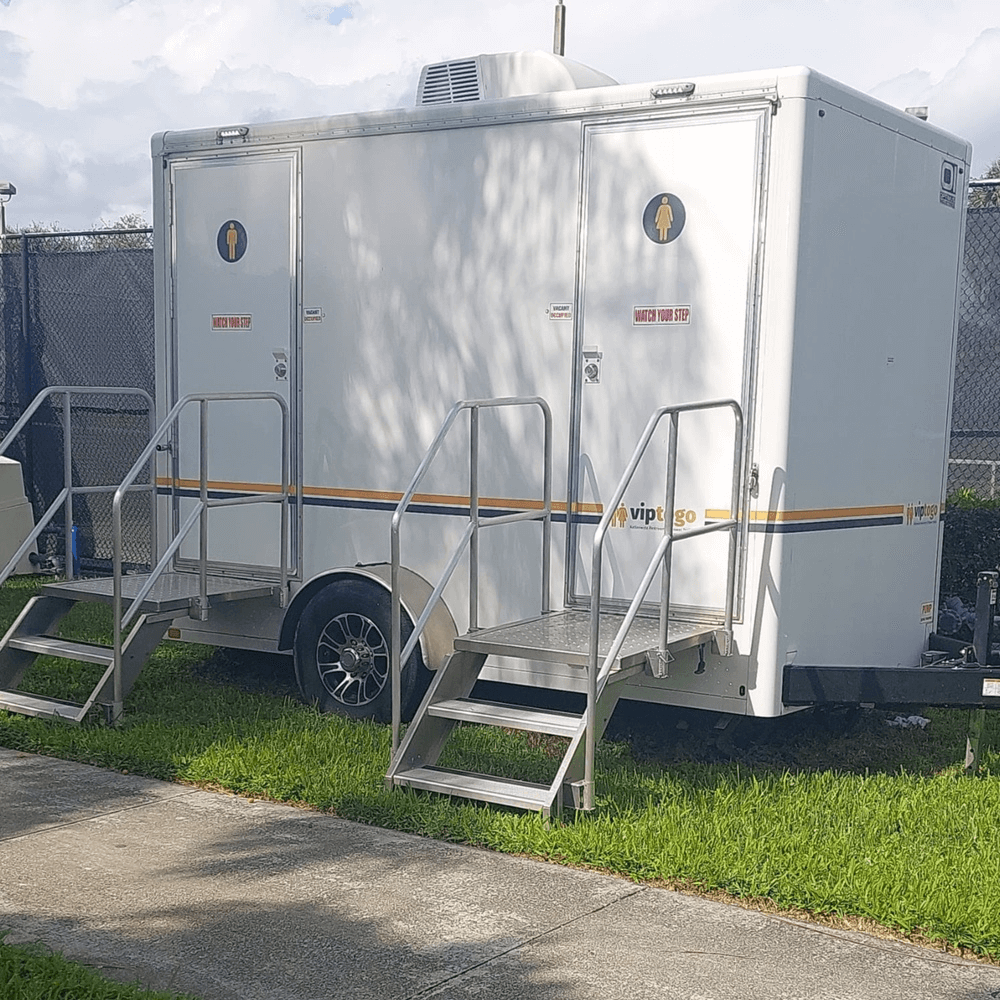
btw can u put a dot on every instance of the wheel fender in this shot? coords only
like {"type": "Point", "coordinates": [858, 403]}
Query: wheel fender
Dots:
{"type": "Point", "coordinates": [438, 637]}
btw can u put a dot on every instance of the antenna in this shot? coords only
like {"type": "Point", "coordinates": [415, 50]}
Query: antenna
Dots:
{"type": "Point", "coordinates": [559, 35]}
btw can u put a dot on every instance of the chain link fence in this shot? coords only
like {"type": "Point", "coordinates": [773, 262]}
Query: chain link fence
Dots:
{"type": "Point", "coordinates": [77, 309]}
{"type": "Point", "coordinates": [974, 460]}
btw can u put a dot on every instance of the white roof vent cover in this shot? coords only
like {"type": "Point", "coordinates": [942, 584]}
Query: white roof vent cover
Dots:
{"type": "Point", "coordinates": [449, 83]}
{"type": "Point", "coordinates": [504, 74]}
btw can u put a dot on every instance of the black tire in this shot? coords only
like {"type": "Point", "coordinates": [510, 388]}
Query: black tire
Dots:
{"type": "Point", "coordinates": [342, 659]}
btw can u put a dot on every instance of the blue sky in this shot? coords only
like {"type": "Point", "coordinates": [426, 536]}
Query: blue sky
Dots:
{"type": "Point", "coordinates": [84, 85]}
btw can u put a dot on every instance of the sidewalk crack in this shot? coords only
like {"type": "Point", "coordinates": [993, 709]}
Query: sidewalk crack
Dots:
{"type": "Point", "coordinates": [435, 987]}
{"type": "Point", "coordinates": [97, 815]}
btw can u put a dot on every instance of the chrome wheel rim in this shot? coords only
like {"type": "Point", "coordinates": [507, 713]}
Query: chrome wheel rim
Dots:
{"type": "Point", "coordinates": [352, 657]}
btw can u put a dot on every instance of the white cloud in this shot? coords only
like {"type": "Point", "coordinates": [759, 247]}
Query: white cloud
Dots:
{"type": "Point", "coordinates": [84, 85]}
{"type": "Point", "coordinates": [964, 100]}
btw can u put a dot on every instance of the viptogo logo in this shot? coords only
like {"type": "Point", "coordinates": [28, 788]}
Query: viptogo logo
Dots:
{"type": "Point", "coordinates": [650, 518]}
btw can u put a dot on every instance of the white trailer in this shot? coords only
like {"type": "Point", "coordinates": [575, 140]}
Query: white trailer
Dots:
{"type": "Point", "coordinates": [531, 230]}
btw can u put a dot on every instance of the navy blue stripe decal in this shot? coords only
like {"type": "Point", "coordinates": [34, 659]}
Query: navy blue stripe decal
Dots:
{"type": "Point", "coordinates": [792, 527]}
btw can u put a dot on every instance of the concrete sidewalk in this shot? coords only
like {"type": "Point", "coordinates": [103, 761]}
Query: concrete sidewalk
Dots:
{"type": "Point", "coordinates": [225, 898]}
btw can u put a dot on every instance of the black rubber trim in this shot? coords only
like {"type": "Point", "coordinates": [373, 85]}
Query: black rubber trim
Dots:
{"type": "Point", "coordinates": [955, 687]}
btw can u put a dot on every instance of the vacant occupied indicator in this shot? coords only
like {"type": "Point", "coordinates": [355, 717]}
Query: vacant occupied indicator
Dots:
{"type": "Point", "coordinates": [232, 321]}
{"type": "Point", "coordinates": [661, 315]}
{"type": "Point", "coordinates": [949, 183]}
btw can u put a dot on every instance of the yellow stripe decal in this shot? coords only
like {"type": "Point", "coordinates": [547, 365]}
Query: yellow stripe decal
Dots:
{"type": "Point", "coordinates": [387, 496]}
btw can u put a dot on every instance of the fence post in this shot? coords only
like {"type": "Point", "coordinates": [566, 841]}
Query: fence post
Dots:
{"type": "Point", "coordinates": [29, 387]}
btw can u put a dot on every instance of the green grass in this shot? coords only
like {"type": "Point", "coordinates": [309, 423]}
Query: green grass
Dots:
{"type": "Point", "coordinates": [32, 972]}
{"type": "Point", "coordinates": [967, 498]}
{"type": "Point", "coordinates": [881, 826]}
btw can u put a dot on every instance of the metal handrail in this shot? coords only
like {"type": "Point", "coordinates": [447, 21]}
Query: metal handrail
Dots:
{"type": "Point", "coordinates": [198, 515]}
{"type": "Point", "coordinates": [66, 494]}
{"type": "Point", "coordinates": [470, 537]}
{"type": "Point", "coordinates": [661, 558]}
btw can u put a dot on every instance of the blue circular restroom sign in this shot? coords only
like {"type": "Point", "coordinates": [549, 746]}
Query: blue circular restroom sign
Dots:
{"type": "Point", "coordinates": [231, 241]}
{"type": "Point", "coordinates": [664, 217]}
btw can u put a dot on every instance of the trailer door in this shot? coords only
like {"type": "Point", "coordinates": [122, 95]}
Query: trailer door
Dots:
{"type": "Point", "coordinates": [234, 296]}
{"type": "Point", "coordinates": [665, 315]}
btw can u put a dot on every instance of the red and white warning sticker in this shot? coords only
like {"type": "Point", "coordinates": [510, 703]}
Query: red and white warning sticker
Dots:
{"type": "Point", "coordinates": [232, 321]}
{"type": "Point", "coordinates": [661, 315]}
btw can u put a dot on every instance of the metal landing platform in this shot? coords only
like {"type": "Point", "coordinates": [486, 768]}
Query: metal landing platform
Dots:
{"type": "Point", "coordinates": [171, 592]}
{"type": "Point", "coordinates": [564, 637]}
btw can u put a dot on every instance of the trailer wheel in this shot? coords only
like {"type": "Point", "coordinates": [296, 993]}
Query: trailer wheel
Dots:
{"type": "Point", "coordinates": [342, 659]}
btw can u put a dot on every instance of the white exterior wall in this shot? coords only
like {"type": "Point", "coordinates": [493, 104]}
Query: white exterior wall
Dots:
{"type": "Point", "coordinates": [854, 394]}
{"type": "Point", "coordinates": [435, 258]}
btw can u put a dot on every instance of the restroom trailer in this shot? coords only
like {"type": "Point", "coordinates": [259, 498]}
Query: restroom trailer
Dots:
{"type": "Point", "coordinates": [759, 269]}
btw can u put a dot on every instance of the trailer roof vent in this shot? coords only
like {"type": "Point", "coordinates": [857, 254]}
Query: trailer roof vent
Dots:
{"type": "Point", "coordinates": [449, 83]}
{"type": "Point", "coordinates": [504, 74]}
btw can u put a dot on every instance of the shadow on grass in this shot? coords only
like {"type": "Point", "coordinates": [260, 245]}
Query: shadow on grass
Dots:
{"type": "Point", "coordinates": [857, 741]}
{"type": "Point", "coordinates": [846, 741]}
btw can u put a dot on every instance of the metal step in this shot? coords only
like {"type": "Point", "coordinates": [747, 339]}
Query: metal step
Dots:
{"type": "Point", "coordinates": [44, 645]}
{"type": "Point", "coordinates": [564, 637]}
{"type": "Point", "coordinates": [494, 713]}
{"type": "Point", "coordinates": [469, 785]}
{"type": "Point", "coordinates": [171, 592]}
{"type": "Point", "coordinates": [33, 704]}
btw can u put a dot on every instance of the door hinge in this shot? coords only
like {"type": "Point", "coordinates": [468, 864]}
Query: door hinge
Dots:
{"type": "Point", "coordinates": [755, 480]}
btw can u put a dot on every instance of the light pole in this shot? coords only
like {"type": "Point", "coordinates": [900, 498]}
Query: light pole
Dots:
{"type": "Point", "coordinates": [7, 191]}
{"type": "Point", "coordinates": [559, 34]}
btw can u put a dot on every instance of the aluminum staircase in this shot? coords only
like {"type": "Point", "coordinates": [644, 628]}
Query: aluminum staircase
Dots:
{"type": "Point", "coordinates": [559, 637]}
{"type": "Point", "coordinates": [144, 606]}
{"type": "Point", "coordinates": [34, 634]}
{"type": "Point", "coordinates": [610, 646]}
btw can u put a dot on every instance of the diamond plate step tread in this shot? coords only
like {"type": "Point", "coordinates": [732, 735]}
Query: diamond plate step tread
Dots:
{"type": "Point", "coordinates": [494, 713]}
{"type": "Point", "coordinates": [52, 708]}
{"type": "Point", "coordinates": [499, 791]}
{"type": "Point", "coordinates": [171, 592]}
{"type": "Point", "coordinates": [564, 637]}
{"type": "Point", "coordinates": [44, 645]}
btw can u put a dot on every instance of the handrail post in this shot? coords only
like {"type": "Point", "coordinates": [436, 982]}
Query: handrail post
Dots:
{"type": "Point", "coordinates": [286, 476]}
{"type": "Point", "coordinates": [203, 526]}
{"type": "Point", "coordinates": [116, 603]}
{"type": "Point", "coordinates": [547, 520]}
{"type": "Point", "coordinates": [396, 633]}
{"type": "Point", "coordinates": [154, 517]}
{"type": "Point", "coordinates": [68, 483]}
{"type": "Point", "coordinates": [590, 747]}
{"type": "Point", "coordinates": [668, 530]}
{"type": "Point", "coordinates": [474, 517]}
{"type": "Point", "coordinates": [734, 530]}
